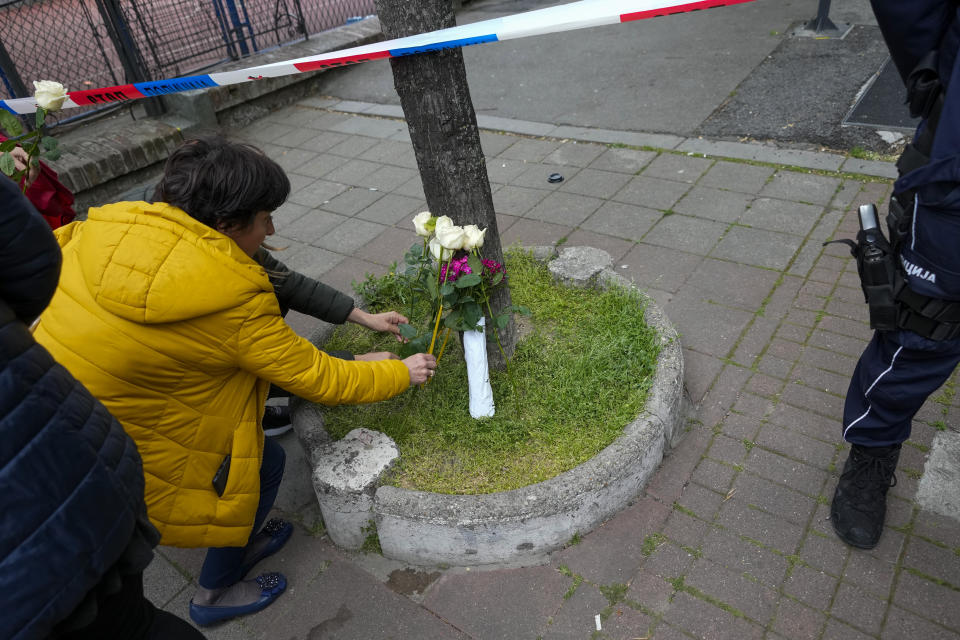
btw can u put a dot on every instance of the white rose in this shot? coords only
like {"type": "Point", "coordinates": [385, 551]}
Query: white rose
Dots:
{"type": "Point", "coordinates": [424, 223]}
{"type": "Point", "coordinates": [49, 95]}
{"type": "Point", "coordinates": [473, 237]}
{"type": "Point", "coordinates": [448, 234]}
{"type": "Point", "coordinates": [439, 253]}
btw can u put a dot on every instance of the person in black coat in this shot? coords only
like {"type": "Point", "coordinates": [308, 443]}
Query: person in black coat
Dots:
{"type": "Point", "coordinates": [74, 533]}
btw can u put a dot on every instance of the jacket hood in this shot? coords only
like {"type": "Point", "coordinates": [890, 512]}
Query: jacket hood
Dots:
{"type": "Point", "coordinates": [153, 263]}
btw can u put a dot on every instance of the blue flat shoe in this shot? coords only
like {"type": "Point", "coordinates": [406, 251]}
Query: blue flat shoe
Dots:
{"type": "Point", "coordinates": [271, 586]}
{"type": "Point", "coordinates": [279, 531]}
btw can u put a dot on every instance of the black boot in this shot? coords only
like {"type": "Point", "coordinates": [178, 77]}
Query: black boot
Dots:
{"type": "Point", "coordinates": [860, 501]}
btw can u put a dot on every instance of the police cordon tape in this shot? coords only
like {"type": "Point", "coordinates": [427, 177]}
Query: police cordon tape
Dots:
{"type": "Point", "coordinates": [576, 15]}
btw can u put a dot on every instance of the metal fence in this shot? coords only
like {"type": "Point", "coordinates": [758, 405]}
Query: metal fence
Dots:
{"type": "Point", "coordinates": [86, 44]}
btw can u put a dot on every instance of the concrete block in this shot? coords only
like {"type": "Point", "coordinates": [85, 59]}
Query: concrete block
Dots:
{"type": "Point", "coordinates": [939, 489]}
{"type": "Point", "coordinates": [345, 475]}
{"type": "Point", "coordinates": [580, 266]}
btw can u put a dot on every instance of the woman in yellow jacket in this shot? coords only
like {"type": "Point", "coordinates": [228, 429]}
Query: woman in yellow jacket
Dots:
{"type": "Point", "coordinates": [163, 314]}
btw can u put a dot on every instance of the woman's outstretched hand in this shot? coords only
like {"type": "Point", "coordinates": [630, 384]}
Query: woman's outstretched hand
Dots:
{"type": "Point", "coordinates": [421, 366]}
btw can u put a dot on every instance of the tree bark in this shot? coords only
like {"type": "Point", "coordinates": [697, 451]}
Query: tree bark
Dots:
{"type": "Point", "coordinates": [436, 102]}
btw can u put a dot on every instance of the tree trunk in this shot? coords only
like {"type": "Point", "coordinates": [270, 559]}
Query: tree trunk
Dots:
{"type": "Point", "coordinates": [436, 102]}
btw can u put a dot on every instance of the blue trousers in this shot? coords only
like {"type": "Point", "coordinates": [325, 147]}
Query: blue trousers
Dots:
{"type": "Point", "coordinates": [894, 376]}
{"type": "Point", "coordinates": [221, 567]}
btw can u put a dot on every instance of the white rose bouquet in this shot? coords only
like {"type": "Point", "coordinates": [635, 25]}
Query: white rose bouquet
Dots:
{"type": "Point", "coordinates": [20, 152]}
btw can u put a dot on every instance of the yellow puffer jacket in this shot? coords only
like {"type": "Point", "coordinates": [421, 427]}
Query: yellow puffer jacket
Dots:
{"type": "Point", "coordinates": [179, 334]}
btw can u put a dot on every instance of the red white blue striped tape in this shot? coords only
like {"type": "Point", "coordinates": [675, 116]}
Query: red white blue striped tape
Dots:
{"type": "Point", "coordinates": [576, 15]}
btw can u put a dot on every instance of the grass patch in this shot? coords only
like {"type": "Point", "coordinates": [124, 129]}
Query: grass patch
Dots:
{"type": "Point", "coordinates": [651, 542]}
{"type": "Point", "coordinates": [582, 373]}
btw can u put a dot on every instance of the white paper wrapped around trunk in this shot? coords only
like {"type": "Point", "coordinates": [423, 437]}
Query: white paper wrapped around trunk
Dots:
{"type": "Point", "coordinates": [478, 373]}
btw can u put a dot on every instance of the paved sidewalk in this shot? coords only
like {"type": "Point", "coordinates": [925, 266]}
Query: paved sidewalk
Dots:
{"type": "Point", "coordinates": [730, 539]}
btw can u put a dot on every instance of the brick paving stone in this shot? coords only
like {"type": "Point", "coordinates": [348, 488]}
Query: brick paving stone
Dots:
{"type": "Point", "coordinates": [781, 215]}
{"type": "Point", "coordinates": [612, 552]}
{"type": "Point", "coordinates": [578, 154]}
{"type": "Point", "coordinates": [575, 617]}
{"type": "Point", "coordinates": [801, 187]}
{"type": "Point", "coordinates": [714, 475]}
{"type": "Point", "coordinates": [727, 450]}
{"type": "Point", "coordinates": [743, 557]}
{"type": "Point", "coordinates": [733, 284]}
{"type": "Point", "coordinates": [393, 209]}
{"type": "Point", "coordinates": [504, 170]}
{"type": "Point", "coordinates": [847, 194]}
{"type": "Point", "coordinates": [623, 160]}
{"type": "Point", "coordinates": [309, 228]}
{"type": "Point", "coordinates": [858, 609]}
{"type": "Point", "coordinates": [651, 192]}
{"type": "Point", "coordinates": [350, 270]}
{"type": "Point", "coordinates": [484, 604]}
{"type": "Point", "coordinates": [740, 427]}
{"type": "Point", "coordinates": [392, 153]}
{"type": "Point", "coordinates": [529, 150]}
{"type": "Point", "coordinates": [771, 365]}
{"type": "Point", "coordinates": [517, 200]}
{"type": "Point", "coordinates": [796, 475]}
{"type": "Point", "coordinates": [735, 176]}
{"type": "Point", "coordinates": [412, 189]}
{"type": "Point", "coordinates": [708, 328]}
{"type": "Point", "coordinates": [872, 574]}
{"type": "Point", "coordinates": [774, 498]}
{"type": "Point", "coordinates": [753, 405]}
{"type": "Point", "coordinates": [528, 233]}
{"type": "Point", "coordinates": [290, 159]}
{"type": "Point", "coordinates": [758, 247]}
{"type": "Point", "coordinates": [494, 143]}
{"type": "Point", "coordinates": [622, 220]}
{"type": "Point", "coordinates": [162, 582]}
{"type": "Point", "coordinates": [287, 214]}
{"type": "Point", "coordinates": [737, 516]}
{"type": "Point", "coordinates": [535, 175]}
{"type": "Point", "coordinates": [798, 621]}
{"type": "Point", "coordinates": [802, 318]}
{"type": "Point", "coordinates": [616, 247]}
{"type": "Point", "coordinates": [667, 482]}
{"type": "Point", "coordinates": [702, 501]}
{"type": "Point", "coordinates": [684, 530]}
{"type": "Point", "coordinates": [317, 193]}
{"type": "Point", "coordinates": [837, 630]}
{"type": "Point", "coordinates": [831, 383]}
{"type": "Point", "coordinates": [671, 166]}
{"type": "Point", "coordinates": [708, 621]}
{"type": "Point", "coordinates": [903, 624]}
{"type": "Point", "coordinates": [625, 622]}
{"type": "Point", "coordinates": [754, 343]}
{"type": "Point", "coordinates": [668, 561]}
{"type": "Point", "coordinates": [816, 426]}
{"type": "Point", "coordinates": [721, 397]}
{"type": "Point", "coordinates": [810, 586]}
{"type": "Point", "coordinates": [793, 333]}
{"type": "Point", "coordinates": [387, 178]}
{"type": "Point", "coordinates": [800, 395]}
{"type": "Point", "coordinates": [324, 142]}
{"type": "Point", "coordinates": [298, 182]}
{"type": "Point", "coordinates": [564, 208]}
{"type": "Point", "coordinates": [310, 261]}
{"type": "Point", "coordinates": [659, 267]}
{"type": "Point", "coordinates": [352, 201]}
{"type": "Point", "coordinates": [756, 601]}
{"type": "Point", "coordinates": [899, 510]}
{"type": "Point", "coordinates": [650, 591]}
{"type": "Point", "coordinates": [794, 444]}
{"type": "Point", "coordinates": [928, 599]}
{"type": "Point", "coordinates": [763, 385]}
{"type": "Point", "coordinates": [825, 553]}
{"type": "Point", "coordinates": [714, 204]}
{"type": "Point", "coordinates": [931, 560]}
{"type": "Point", "coordinates": [344, 602]}
{"type": "Point", "coordinates": [594, 183]}
{"type": "Point", "coordinates": [699, 372]}
{"type": "Point", "coordinates": [692, 235]}
{"type": "Point", "coordinates": [349, 235]}
{"type": "Point", "coordinates": [388, 247]}
{"type": "Point", "coordinates": [825, 360]}
{"type": "Point", "coordinates": [937, 527]}
{"type": "Point", "coordinates": [665, 631]}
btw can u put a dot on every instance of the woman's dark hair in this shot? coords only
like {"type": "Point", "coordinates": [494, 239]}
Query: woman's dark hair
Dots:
{"type": "Point", "coordinates": [222, 184]}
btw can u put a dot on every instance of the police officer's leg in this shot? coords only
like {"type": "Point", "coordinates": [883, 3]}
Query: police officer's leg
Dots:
{"type": "Point", "coordinates": [893, 378]}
